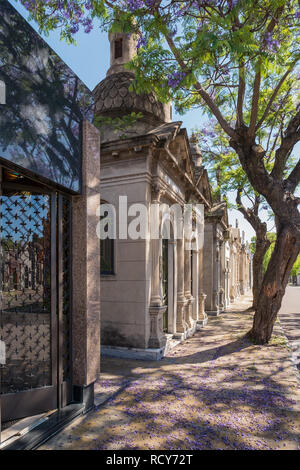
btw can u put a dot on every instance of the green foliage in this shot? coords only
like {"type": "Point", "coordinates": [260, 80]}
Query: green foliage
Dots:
{"type": "Point", "coordinates": [272, 237]}
{"type": "Point", "coordinates": [225, 171]}
{"type": "Point", "coordinates": [296, 268]}
{"type": "Point", "coordinates": [208, 47]}
{"type": "Point", "coordinates": [120, 125]}
{"type": "Point", "coordinates": [222, 162]}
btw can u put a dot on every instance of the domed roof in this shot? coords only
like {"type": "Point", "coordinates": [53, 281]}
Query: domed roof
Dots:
{"type": "Point", "coordinates": [113, 97]}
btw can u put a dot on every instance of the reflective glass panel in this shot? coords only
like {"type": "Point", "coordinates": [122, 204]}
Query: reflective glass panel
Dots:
{"type": "Point", "coordinates": [40, 124]}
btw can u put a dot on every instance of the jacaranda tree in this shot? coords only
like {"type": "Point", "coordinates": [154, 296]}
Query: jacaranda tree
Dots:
{"type": "Point", "coordinates": [233, 58]}
{"type": "Point", "coordinates": [228, 176]}
{"type": "Point", "coordinates": [229, 181]}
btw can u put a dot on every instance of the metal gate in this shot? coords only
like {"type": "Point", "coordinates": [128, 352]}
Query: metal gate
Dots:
{"type": "Point", "coordinates": [35, 303]}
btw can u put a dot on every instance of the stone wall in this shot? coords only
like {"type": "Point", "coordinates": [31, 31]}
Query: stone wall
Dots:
{"type": "Point", "coordinates": [86, 265]}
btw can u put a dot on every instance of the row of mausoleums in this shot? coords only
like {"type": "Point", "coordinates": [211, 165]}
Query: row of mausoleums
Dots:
{"type": "Point", "coordinates": [154, 292]}
{"type": "Point", "coordinates": [60, 284]}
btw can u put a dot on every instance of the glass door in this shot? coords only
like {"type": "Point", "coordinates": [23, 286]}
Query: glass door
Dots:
{"type": "Point", "coordinates": [28, 308]}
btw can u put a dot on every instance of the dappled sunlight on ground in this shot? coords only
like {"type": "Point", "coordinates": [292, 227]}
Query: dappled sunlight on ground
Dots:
{"type": "Point", "coordinates": [215, 391]}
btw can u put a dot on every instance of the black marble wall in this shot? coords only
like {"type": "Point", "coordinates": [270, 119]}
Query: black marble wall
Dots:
{"type": "Point", "coordinates": [40, 124]}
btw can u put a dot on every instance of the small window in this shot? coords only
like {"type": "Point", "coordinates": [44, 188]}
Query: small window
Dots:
{"type": "Point", "coordinates": [118, 48]}
{"type": "Point", "coordinates": [107, 256]}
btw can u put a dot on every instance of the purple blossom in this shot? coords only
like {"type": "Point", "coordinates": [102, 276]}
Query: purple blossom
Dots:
{"type": "Point", "coordinates": [141, 43]}
{"type": "Point", "coordinates": [73, 13]}
{"type": "Point", "coordinates": [173, 32]}
{"type": "Point", "coordinates": [175, 78]}
{"type": "Point", "coordinates": [272, 44]}
{"type": "Point", "coordinates": [134, 5]}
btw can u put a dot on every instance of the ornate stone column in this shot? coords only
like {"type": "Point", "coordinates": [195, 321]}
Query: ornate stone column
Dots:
{"type": "Point", "coordinates": [155, 252]}
{"type": "Point", "coordinates": [187, 284]}
{"type": "Point", "coordinates": [234, 283]}
{"type": "Point", "coordinates": [202, 318]}
{"type": "Point", "coordinates": [227, 294]}
{"type": "Point", "coordinates": [156, 310]}
{"type": "Point", "coordinates": [195, 285]}
{"type": "Point", "coordinates": [238, 272]}
{"type": "Point", "coordinates": [216, 274]}
{"type": "Point", "coordinates": [180, 321]}
{"type": "Point", "coordinates": [222, 276]}
{"type": "Point", "coordinates": [172, 292]}
{"type": "Point", "coordinates": [242, 270]}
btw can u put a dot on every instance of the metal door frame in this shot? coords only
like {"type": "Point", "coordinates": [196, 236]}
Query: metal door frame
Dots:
{"type": "Point", "coordinates": [29, 402]}
{"type": "Point", "coordinates": [64, 387]}
{"type": "Point", "coordinates": [59, 394]}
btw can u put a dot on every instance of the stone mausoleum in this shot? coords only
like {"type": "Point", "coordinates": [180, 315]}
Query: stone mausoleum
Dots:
{"type": "Point", "coordinates": [155, 293]}
{"type": "Point", "coordinates": [151, 290]}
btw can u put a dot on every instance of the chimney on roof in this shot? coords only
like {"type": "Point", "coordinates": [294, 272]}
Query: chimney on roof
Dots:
{"type": "Point", "coordinates": [122, 50]}
{"type": "Point", "coordinates": [195, 151]}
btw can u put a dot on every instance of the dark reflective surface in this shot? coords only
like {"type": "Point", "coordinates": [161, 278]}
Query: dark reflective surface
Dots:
{"type": "Point", "coordinates": [40, 124]}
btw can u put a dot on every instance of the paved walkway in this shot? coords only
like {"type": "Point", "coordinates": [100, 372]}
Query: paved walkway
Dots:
{"type": "Point", "coordinates": [289, 317]}
{"type": "Point", "coordinates": [215, 391]}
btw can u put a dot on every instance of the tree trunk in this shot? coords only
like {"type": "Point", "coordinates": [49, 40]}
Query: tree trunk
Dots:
{"type": "Point", "coordinates": [261, 247]}
{"type": "Point", "coordinates": [285, 253]}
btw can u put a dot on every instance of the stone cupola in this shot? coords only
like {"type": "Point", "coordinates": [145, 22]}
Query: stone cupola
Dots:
{"type": "Point", "coordinates": [114, 98]}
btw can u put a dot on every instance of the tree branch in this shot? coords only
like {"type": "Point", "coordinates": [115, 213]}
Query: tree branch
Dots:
{"type": "Point", "coordinates": [216, 111]}
{"type": "Point", "coordinates": [274, 94]}
{"type": "Point", "coordinates": [241, 95]}
{"type": "Point", "coordinates": [288, 141]}
{"type": "Point", "coordinates": [204, 95]}
{"type": "Point", "coordinates": [293, 180]}
{"type": "Point", "coordinates": [255, 100]}
{"type": "Point", "coordinates": [257, 81]}
{"type": "Point", "coordinates": [250, 215]}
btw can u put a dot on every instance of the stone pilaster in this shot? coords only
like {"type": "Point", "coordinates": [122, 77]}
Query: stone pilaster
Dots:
{"type": "Point", "coordinates": [156, 274]}
{"type": "Point", "coordinates": [195, 285]}
{"type": "Point", "coordinates": [156, 309]}
{"type": "Point", "coordinates": [86, 265]}
{"type": "Point", "coordinates": [180, 321]}
{"type": "Point", "coordinates": [242, 270]}
{"type": "Point", "coordinates": [222, 276]}
{"type": "Point", "coordinates": [187, 284]}
{"type": "Point", "coordinates": [157, 337]}
{"type": "Point", "coordinates": [216, 276]}
{"type": "Point", "coordinates": [202, 317]}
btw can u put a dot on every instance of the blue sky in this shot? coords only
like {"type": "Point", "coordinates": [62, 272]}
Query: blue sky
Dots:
{"type": "Point", "coordinates": [89, 59]}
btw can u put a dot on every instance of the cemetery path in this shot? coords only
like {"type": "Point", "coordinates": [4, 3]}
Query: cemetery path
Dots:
{"type": "Point", "coordinates": [214, 391]}
{"type": "Point", "coordinates": [289, 317]}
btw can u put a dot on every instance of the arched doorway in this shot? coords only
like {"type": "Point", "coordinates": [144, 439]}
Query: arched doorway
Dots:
{"type": "Point", "coordinates": [169, 277]}
{"type": "Point", "coordinates": [165, 282]}
{"type": "Point", "coordinates": [194, 254]}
